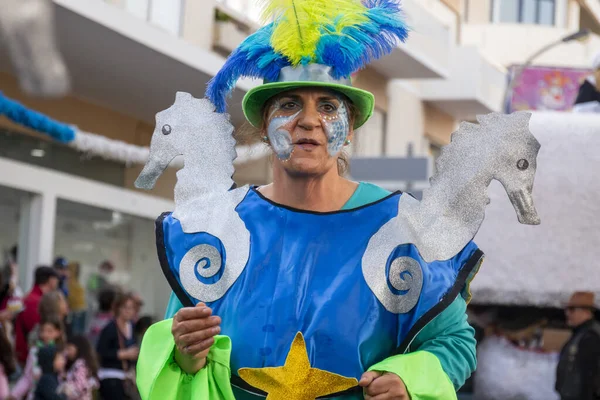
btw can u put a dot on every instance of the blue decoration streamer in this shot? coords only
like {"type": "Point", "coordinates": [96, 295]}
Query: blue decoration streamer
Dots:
{"type": "Point", "coordinates": [39, 122]}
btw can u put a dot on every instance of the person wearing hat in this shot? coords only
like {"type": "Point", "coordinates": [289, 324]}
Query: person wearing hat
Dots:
{"type": "Point", "coordinates": [301, 322]}
{"type": "Point", "coordinates": [61, 266]}
{"type": "Point", "coordinates": [578, 371]}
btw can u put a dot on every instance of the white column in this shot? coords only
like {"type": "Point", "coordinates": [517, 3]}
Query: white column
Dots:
{"type": "Point", "coordinates": [574, 15]}
{"type": "Point", "coordinates": [36, 235]}
{"type": "Point", "coordinates": [561, 14]}
{"type": "Point", "coordinates": [198, 19]}
{"type": "Point", "coordinates": [405, 125]}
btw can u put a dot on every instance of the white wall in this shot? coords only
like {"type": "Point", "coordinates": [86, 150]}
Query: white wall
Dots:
{"type": "Point", "coordinates": [81, 228]}
{"type": "Point", "coordinates": [509, 44]}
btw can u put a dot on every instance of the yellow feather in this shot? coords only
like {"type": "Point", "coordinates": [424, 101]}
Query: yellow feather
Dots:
{"type": "Point", "coordinates": [300, 23]}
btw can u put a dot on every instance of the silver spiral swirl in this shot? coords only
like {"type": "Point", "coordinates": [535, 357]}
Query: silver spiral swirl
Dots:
{"type": "Point", "coordinates": [405, 275]}
{"type": "Point", "coordinates": [195, 262]}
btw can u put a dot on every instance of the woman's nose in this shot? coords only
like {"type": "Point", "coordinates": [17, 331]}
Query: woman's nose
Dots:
{"type": "Point", "coordinates": [309, 118]}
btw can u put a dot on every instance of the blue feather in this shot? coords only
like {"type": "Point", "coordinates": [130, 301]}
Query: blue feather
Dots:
{"type": "Point", "coordinates": [21, 115]}
{"type": "Point", "coordinates": [356, 46]}
{"type": "Point", "coordinates": [254, 58]}
{"type": "Point", "coordinates": [346, 51]}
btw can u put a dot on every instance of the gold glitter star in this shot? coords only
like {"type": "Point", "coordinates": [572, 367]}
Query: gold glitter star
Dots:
{"type": "Point", "coordinates": [296, 380]}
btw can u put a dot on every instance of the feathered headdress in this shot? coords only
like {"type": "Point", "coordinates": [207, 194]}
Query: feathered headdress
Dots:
{"type": "Point", "coordinates": [342, 36]}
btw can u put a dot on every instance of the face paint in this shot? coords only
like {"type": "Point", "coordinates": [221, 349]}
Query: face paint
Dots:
{"type": "Point", "coordinates": [336, 125]}
{"type": "Point", "coordinates": [279, 137]}
{"type": "Point", "coordinates": [336, 128]}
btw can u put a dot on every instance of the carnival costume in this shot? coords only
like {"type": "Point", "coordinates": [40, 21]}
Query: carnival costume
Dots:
{"type": "Point", "coordinates": [310, 301]}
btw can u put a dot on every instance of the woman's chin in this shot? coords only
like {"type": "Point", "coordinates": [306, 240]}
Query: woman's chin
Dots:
{"type": "Point", "coordinates": [305, 165]}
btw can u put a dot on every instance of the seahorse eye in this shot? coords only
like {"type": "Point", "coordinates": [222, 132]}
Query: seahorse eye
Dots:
{"type": "Point", "coordinates": [522, 164]}
{"type": "Point", "coordinates": [166, 129]}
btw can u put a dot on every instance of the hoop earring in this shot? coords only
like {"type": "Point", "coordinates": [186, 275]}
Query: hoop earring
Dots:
{"type": "Point", "coordinates": [265, 139]}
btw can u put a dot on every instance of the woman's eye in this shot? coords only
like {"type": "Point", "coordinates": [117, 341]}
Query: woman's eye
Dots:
{"type": "Point", "coordinates": [328, 108]}
{"type": "Point", "coordinates": [290, 105]}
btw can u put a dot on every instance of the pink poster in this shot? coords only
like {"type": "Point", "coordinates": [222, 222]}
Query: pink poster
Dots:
{"type": "Point", "coordinates": [546, 88]}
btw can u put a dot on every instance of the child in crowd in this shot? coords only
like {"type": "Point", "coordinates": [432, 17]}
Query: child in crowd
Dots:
{"type": "Point", "coordinates": [51, 362]}
{"type": "Point", "coordinates": [81, 377]}
{"type": "Point", "coordinates": [7, 363]}
{"type": "Point", "coordinates": [106, 298]}
{"type": "Point", "coordinates": [51, 332]}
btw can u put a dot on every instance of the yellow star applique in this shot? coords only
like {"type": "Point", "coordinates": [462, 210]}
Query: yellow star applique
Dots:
{"type": "Point", "coordinates": [296, 380]}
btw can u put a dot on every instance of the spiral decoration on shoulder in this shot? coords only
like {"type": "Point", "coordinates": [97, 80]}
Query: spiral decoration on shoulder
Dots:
{"type": "Point", "coordinates": [406, 279]}
{"type": "Point", "coordinates": [205, 273]}
{"type": "Point", "coordinates": [396, 285]}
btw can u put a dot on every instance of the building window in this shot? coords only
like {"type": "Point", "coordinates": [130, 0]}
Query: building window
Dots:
{"type": "Point", "coordinates": [540, 12]}
{"type": "Point", "coordinates": [166, 14]}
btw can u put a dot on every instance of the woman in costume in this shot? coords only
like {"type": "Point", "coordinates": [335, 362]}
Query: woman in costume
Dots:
{"type": "Point", "coordinates": [311, 286]}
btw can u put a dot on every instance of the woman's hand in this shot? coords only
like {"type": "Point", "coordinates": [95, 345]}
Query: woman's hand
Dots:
{"type": "Point", "coordinates": [194, 329]}
{"type": "Point", "coordinates": [386, 386]}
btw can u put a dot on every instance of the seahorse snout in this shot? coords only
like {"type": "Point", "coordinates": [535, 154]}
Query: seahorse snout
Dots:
{"type": "Point", "coordinates": [522, 201]}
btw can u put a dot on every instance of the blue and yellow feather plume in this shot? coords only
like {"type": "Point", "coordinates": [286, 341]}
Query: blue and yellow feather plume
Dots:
{"type": "Point", "coordinates": [343, 34]}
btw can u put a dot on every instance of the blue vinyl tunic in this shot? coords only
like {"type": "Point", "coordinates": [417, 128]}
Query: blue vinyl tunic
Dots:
{"type": "Point", "coordinates": [289, 285]}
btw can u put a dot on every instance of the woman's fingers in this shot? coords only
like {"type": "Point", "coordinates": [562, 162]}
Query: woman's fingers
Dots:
{"type": "Point", "coordinates": [194, 325]}
{"type": "Point", "coordinates": [188, 313]}
{"type": "Point", "coordinates": [199, 349]}
{"type": "Point", "coordinates": [192, 338]}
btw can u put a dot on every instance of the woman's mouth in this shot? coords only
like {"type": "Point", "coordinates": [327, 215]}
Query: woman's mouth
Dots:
{"type": "Point", "coordinates": [307, 144]}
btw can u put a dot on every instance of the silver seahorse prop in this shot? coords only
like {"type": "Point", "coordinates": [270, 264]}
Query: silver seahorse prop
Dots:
{"type": "Point", "coordinates": [203, 201]}
{"type": "Point", "coordinates": [500, 147]}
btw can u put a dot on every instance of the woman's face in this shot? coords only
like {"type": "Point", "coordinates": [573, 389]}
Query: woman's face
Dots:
{"type": "Point", "coordinates": [127, 310]}
{"type": "Point", "coordinates": [307, 129]}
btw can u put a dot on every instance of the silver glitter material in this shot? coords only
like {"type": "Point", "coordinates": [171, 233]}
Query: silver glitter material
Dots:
{"type": "Point", "coordinates": [310, 73]}
{"type": "Point", "coordinates": [27, 29]}
{"type": "Point", "coordinates": [452, 209]}
{"type": "Point", "coordinates": [381, 245]}
{"type": "Point", "coordinates": [202, 136]}
{"type": "Point", "coordinates": [542, 265]}
{"type": "Point", "coordinates": [279, 135]}
{"type": "Point", "coordinates": [337, 129]}
{"type": "Point", "coordinates": [194, 262]}
{"type": "Point", "coordinates": [203, 201]}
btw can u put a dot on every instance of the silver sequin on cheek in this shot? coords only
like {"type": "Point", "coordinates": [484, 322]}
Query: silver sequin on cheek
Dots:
{"type": "Point", "coordinates": [336, 128]}
{"type": "Point", "coordinates": [279, 137]}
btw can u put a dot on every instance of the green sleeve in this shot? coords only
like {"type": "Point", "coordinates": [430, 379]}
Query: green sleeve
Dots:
{"type": "Point", "coordinates": [443, 352]}
{"type": "Point", "coordinates": [422, 374]}
{"type": "Point", "coordinates": [160, 378]}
